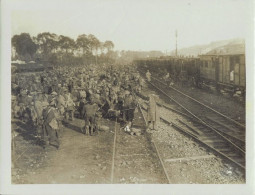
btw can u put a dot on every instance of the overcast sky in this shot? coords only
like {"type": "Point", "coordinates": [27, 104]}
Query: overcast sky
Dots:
{"type": "Point", "coordinates": [136, 25]}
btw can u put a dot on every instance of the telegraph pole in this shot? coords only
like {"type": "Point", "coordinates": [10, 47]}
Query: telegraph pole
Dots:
{"type": "Point", "coordinates": [176, 35]}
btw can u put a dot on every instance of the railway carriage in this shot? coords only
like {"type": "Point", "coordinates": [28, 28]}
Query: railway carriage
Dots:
{"type": "Point", "coordinates": [30, 67]}
{"type": "Point", "coordinates": [222, 71]}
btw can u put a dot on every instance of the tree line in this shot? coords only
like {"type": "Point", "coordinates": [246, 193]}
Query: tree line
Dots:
{"type": "Point", "coordinates": [62, 50]}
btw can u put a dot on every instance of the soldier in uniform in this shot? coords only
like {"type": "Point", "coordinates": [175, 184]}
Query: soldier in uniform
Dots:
{"type": "Point", "coordinates": [69, 108]}
{"type": "Point", "coordinates": [129, 107]}
{"type": "Point", "coordinates": [153, 115]}
{"type": "Point", "coordinates": [148, 75]}
{"type": "Point", "coordinates": [89, 114]}
{"type": "Point", "coordinates": [51, 125]}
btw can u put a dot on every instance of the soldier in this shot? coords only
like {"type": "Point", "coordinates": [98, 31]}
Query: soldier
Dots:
{"type": "Point", "coordinates": [81, 105]}
{"type": "Point", "coordinates": [51, 125]}
{"type": "Point", "coordinates": [89, 113]}
{"type": "Point", "coordinates": [39, 105]}
{"type": "Point", "coordinates": [153, 115]}
{"type": "Point", "coordinates": [129, 107]}
{"type": "Point", "coordinates": [61, 103]}
{"type": "Point", "coordinates": [70, 86]}
{"type": "Point", "coordinates": [148, 75]}
{"type": "Point", "coordinates": [69, 106]}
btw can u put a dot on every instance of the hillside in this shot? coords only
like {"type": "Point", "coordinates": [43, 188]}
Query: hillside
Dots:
{"type": "Point", "coordinates": [217, 47]}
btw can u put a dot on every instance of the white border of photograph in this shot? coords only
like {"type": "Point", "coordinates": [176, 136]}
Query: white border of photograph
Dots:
{"type": "Point", "coordinates": [5, 137]}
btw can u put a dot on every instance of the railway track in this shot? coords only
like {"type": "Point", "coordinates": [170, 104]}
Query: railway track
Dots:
{"type": "Point", "coordinates": [232, 130]}
{"type": "Point", "coordinates": [135, 158]}
{"type": "Point", "coordinates": [209, 127]}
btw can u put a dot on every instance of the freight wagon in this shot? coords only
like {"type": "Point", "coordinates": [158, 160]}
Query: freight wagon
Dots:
{"type": "Point", "coordinates": [223, 71]}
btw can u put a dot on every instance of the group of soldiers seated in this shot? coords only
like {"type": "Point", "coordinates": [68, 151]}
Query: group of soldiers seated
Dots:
{"type": "Point", "coordinates": [49, 99]}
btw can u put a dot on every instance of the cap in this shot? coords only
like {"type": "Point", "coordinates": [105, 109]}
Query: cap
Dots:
{"type": "Point", "coordinates": [54, 93]}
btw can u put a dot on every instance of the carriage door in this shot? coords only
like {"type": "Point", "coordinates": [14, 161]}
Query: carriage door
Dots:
{"type": "Point", "coordinates": [216, 67]}
{"type": "Point", "coordinates": [232, 70]}
{"type": "Point", "coordinates": [237, 70]}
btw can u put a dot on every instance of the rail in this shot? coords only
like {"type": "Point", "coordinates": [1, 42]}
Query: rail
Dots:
{"type": "Point", "coordinates": [241, 125]}
{"type": "Point", "coordinates": [157, 151]}
{"type": "Point", "coordinates": [199, 119]}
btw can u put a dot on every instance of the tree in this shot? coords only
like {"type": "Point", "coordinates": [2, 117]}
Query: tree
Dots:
{"type": "Point", "coordinates": [67, 44]}
{"type": "Point", "coordinates": [59, 49]}
{"type": "Point", "coordinates": [82, 42]}
{"type": "Point", "coordinates": [48, 43]}
{"type": "Point", "coordinates": [94, 45]}
{"type": "Point", "coordinates": [24, 46]}
{"type": "Point", "coordinates": [108, 45]}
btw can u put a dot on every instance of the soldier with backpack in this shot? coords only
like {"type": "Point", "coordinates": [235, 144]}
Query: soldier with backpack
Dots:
{"type": "Point", "coordinates": [51, 125]}
{"type": "Point", "coordinates": [69, 108]}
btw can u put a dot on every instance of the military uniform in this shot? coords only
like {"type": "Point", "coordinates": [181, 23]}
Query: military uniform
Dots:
{"type": "Point", "coordinates": [129, 108]}
{"type": "Point", "coordinates": [153, 115]}
{"type": "Point", "coordinates": [89, 111]}
{"type": "Point", "coordinates": [69, 106]}
{"type": "Point", "coordinates": [51, 126]}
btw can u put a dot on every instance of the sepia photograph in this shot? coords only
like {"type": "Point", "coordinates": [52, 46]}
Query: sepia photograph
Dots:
{"type": "Point", "coordinates": [129, 92]}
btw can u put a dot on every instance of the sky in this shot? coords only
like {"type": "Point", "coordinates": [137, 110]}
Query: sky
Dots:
{"type": "Point", "coordinates": [136, 25]}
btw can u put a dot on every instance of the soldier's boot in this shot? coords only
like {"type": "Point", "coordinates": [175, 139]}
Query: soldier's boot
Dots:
{"type": "Point", "coordinates": [86, 129]}
{"type": "Point", "coordinates": [66, 114]}
{"type": "Point", "coordinates": [91, 126]}
{"type": "Point", "coordinates": [82, 129]}
{"type": "Point", "coordinates": [47, 143]}
{"type": "Point", "coordinates": [71, 115]}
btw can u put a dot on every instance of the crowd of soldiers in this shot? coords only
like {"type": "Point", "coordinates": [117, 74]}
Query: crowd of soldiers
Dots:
{"type": "Point", "coordinates": [50, 98]}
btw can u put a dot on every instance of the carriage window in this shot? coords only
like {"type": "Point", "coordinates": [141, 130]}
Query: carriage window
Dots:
{"type": "Point", "coordinates": [206, 64]}
{"type": "Point", "coordinates": [237, 60]}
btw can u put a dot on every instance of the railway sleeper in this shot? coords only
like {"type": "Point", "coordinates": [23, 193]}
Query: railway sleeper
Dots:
{"type": "Point", "coordinates": [214, 142]}
{"type": "Point", "coordinates": [240, 161]}
{"type": "Point", "coordinates": [231, 135]}
{"type": "Point", "coordinates": [208, 137]}
{"type": "Point", "coordinates": [228, 128]}
{"type": "Point", "coordinates": [214, 149]}
{"type": "Point", "coordinates": [234, 155]}
{"type": "Point", "coordinates": [223, 149]}
{"type": "Point", "coordinates": [237, 123]}
{"type": "Point", "coordinates": [232, 151]}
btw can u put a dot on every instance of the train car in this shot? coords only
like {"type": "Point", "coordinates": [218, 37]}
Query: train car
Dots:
{"type": "Point", "coordinates": [30, 67]}
{"type": "Point", "coordinates": [219, 71]}
{"type": "Point", "coordinates": [225, 70]}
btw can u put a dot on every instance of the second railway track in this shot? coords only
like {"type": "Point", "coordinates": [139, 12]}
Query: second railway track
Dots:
{"type": "Point", "coordinates": [211, 128]}
{"type": "Point", "coordinates": [135, 158]}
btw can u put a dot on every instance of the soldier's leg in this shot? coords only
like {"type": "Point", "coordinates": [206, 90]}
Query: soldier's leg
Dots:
{"type": "Point", "coordinates": [86, 127]}
{"type": "Point", "coordinates": [94, 125]}
{"type": "Point", "coordinates": [90, 126]}
{"type": "Point", "coordinates": [66, 114]}
{"type": "Point", "coordinates": [53, 137]}
{"type": "Point", "coordinates": [71, 114]}
{"type": "Point", "coordinates": [46, 134]}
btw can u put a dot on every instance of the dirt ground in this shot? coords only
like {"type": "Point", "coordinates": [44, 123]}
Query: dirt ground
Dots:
{"type": "Point", "coordinates": [80, 158]}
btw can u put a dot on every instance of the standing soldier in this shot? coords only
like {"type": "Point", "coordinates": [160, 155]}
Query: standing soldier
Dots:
{"type": "Point", "coordinates": [129, 108]}
{"type": "Point", "coordinates": [51, 125]}
{"type": "Point", "coordinates": [148, 75]}
{"type": "Point", "coordinates": [40, 105]}
{"type": "Point", "coordinates": [69, 106]}
{"type": "Point", "coordinates": [89, 114]}
{"type": "Point", "coordinates": [153, 115]}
